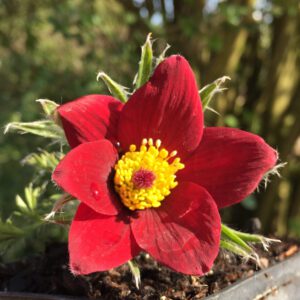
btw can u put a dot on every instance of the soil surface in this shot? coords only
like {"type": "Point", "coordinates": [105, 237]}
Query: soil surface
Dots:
{"type": "Point", "coordinates": [49, 274]}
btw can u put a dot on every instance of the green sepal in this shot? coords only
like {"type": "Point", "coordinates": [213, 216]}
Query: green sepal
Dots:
{"type": "Point", "coordinates": [117, 90]}
{"type": "Point", "coordinates": [208, 91]}
{"type": "Point", "coordinates": [49, 107]}
{"type": "Point", "coordinates": [145, 64]}
{"type": "Point", "coordinates": [162, 55]}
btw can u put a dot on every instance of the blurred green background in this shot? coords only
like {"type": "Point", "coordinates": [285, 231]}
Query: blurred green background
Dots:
{"type": "Point", "coordinates": [54, 48]}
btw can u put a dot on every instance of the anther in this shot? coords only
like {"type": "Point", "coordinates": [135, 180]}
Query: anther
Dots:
{"type": "Point", "coordinates": [163, 153]}
{"type": "Point", "coordinates": [173, 153]}
{"type": "Point", "coordinates": [158, 143]}
{"type": "Point", "coordinates": [143, 148]}
{"type": "Point", "coordinates": [132, 148]}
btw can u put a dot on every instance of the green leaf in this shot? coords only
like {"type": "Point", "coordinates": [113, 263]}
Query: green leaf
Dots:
{"type": "Point", "coordinates": [44, 128]}
{"type": "Point", "coordinates": [208, 91]}
{"type": "Point", "coordinates": [253, 238]}
{"type": "Point", "coordinates": [231, 242]}
{"type": "Point", "coordinates": [237, 242]}
{"type": "Point", "coordinates": [21, 204]}
{"type": "Point", "coordinates": [234, 248]}
{"type": "Point", "coordinates": [8, 231]}
{"type": "Point", "coordinates": [31, 195]}
{"type": "Point", "coordinates": [28, 205]}
{"type": "Point", "coordinates": [117, 90]}
{"type": "Point", "coordinates": [145, 64]}
{"type": "Point", "coordinates": [45, 161]}
{"type": "Point", "coordinates": [231, 235]}
{"type": "Point", "coordinates": [48, 106]}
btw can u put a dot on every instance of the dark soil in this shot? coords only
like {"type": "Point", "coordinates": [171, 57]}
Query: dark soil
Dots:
{"type": "Point", "coordinates": [49, 274]}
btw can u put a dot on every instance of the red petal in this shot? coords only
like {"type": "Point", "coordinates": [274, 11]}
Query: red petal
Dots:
{"type": "Point", "coordinates": [229, 163]}
{"type": "Point", "coordinates": [90, 118]}
{"type": "Point", "coordinates": [184, 233]}
{"type": "Point", "coordinates": [98, 243]}
{"type": "Point", "coordinates": [168, 108]}
{"type": "Point", "coordinates": [85, 172]}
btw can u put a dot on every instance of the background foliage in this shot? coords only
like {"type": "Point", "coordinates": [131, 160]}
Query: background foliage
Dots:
{"type": "Point", "coordinates": [54, 48]}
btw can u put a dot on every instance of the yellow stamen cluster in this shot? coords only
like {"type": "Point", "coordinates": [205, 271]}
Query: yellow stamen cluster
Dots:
{"type": "Point", "coordinates": [154, 160]}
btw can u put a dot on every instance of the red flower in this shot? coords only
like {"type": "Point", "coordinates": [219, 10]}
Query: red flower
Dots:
{"type": "Point", "coordinates": [122, 168]}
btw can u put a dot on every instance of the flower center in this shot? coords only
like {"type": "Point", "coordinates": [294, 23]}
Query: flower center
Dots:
{"type": "Point", "coordinates": [144, 177]}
